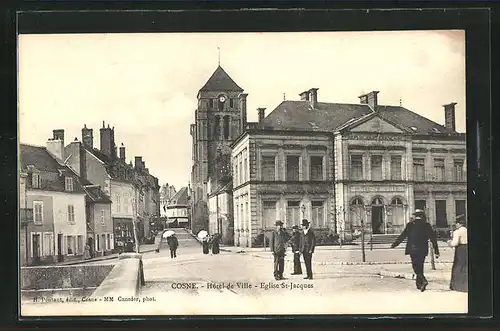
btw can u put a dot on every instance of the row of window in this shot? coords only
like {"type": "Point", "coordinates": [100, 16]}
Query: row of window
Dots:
{"type": "Point", "coordinates": [294, 213]}
{"type": "Point", "coordinates": [36, 182]}
{"type": "Point", "coordinates": [38, 213]}
{"type": "Point", "coordinates": [268, 168]}
{"type": "Point", "coordinates": [220, 103]}
{"type": "Point", "coordinates": [441, 212]}
{"type": "Point", "coordinates": [376, 170]}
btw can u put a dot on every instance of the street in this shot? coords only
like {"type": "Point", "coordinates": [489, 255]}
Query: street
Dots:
{"type": "Point", "coordinates": [243, 283]}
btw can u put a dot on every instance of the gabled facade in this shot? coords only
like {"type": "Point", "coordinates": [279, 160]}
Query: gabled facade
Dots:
{"type": "Point", "coordinates": [219, 119]}
{"type": "Point", "coordinates": [54, 192]}
{"type": "Point", "coordinates": [393, 161]}
{"type": "Point", "coordinates": [100, 232]}
{"type": "Point", "coordinates": [178, 209]}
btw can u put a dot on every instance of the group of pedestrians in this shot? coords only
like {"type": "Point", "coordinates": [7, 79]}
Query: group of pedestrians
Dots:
{"type": "Point", "coordinates": [302, 243]}
{"type": "Point", "coordinates": [211, 244]}
{"type": "Point", "coordinates": [418, 233]}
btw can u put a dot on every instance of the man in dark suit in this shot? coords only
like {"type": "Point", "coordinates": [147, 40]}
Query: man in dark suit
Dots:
{"type": "Point", "coordinates": [295, 244]}
{"type": "Point", "coordinates": [278, 243]}
{"type": "Point", "coordinates": [418, 232]}
{"type": "Point", "coordinates": [307, 244]}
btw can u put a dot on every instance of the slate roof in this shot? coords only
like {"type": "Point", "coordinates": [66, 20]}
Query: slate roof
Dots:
{"type": "Point", "coordinates": [181, 197]}
{"type": "Point", "coordinates": [298, 115]}
{"type": "Point", "coordinates": [52, 172]}
{"type": "Point", "coordinates": [220, 81]}
{"type": "Point", "coordinates": [328, 117]}
{"type": "Point", "coordinates": [407, 119]}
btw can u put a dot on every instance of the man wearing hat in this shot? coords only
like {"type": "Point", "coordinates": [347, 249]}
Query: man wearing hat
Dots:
{"type": "Point", "coordinates": [295, 244]}
{"type": "Point", "coordinates": [418, 232]}
{"type": "Point", "coordinates": [307, 244]}
{"type": "Point", "coordinates": [278, 243]}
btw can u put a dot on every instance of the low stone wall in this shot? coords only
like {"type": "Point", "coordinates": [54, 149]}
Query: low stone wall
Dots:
{"type": "Point", "coordinates": [125, 279]}
{"type": "Point", "coordinates": [60, 277]}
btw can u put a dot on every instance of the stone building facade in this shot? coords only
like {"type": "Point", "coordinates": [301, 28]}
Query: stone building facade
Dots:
{"type": "Point", "coordinates": [340, 164]}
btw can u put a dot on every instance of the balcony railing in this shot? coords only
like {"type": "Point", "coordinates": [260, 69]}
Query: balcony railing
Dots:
{"type": "Point", "coordinates": [25, 215]}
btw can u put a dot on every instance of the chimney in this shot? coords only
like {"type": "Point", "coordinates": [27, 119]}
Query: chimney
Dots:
{"type": "Point", "coordinates": [88, 137]}
{"type": "Point", "coordinates": [370, 99]}
{"type": "Point", "coordinates": [58, 135]}
{"type": "Point", "coordinates": [243, 111]}
{"type": "Point", "coordinates": [449, 116]}
{"type": "Point", "coordinates": [122, 153]}
{"type": "Point", "coordinates": [138, 162]}
{"type": "Point", "coordinates": [107, 143]}
{"type": "Point", "coordinates": [143, 165]}
{"type": "Point", "coordinates": [304, 96]}
{"type": "Point", "coordinates": [55, 145]}
{"type": "Point", "coordinates": [313, 96]}
{"type": "Point", "coordinates": [262, 112]}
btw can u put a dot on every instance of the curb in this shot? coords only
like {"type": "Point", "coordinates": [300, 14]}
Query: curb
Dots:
{"type": "Point", "coordinates": [410, 276]}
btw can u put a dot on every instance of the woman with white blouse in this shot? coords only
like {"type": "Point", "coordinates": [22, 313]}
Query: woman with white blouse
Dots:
{"type": "Point", "coordinates": [459, 272]}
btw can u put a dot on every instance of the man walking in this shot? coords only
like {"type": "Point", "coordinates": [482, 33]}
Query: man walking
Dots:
{"type": "Point", "coordinates": [173, 243]}
{"type": "Point", "coordinates": [295, 244]}
{"type": "Point", "coordinates": [307, 244]}
{"type": "Point", "coordinates": [278, 247]}
{"type": "Point", "coordinates": [418, 232]}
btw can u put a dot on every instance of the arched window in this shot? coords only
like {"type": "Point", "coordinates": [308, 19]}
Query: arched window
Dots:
{"type": "Point", "coordinates": [357, 202]}
{"type": "Point", "coordinates": [226, 127]}
{"type": "Point", "coordinates": [397, 201]}
{"type": "Point", "coordinates": [221, 102]}
{"type": "Point", "coordinates": [398, 215]}
{"type": "Point", "coordinates": [377, 201]}
{"type": "Point", "coordinates": [356, 213]}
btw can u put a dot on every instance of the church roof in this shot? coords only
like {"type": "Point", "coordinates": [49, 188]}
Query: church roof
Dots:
{"type": "Point", "coordinates": [220, 81]}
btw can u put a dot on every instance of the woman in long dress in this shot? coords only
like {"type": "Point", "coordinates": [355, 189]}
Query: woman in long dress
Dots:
{"type": "Point", "coordinates": [205, 245]}
{"type": "Point", "coordinates": [459, 272]}
{"type": "Point", "coordinates": [215, 244]}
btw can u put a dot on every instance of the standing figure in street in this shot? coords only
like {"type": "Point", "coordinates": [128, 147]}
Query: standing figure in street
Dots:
{"type": "Point", "coordinates": [307, 245]}
{"type": "Point", "coordinates": [460, 270]}
{"type": "Point", "coordinates": [205, 244]}
{"type": "Point", "coordinates": [278, 247]}
{"type": "Point", "coordinates": [86, 253]}
{"type": "Point", "coordinates": [418, 232]}
{"type": "Point", "coordinates": [173, 243]}
{"type": "Point", "coordinates": [295, 244]}
{"type": "Point", "coordinates": [216, 243]}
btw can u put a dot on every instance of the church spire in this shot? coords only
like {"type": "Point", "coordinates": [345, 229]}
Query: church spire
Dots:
{"type": "Point", "coordinates": [218, 51]}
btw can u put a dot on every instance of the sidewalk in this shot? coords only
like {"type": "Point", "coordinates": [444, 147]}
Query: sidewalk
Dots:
{"type": "Point", "coordinates": [142, 249]}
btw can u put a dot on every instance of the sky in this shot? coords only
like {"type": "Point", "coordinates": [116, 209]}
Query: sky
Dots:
{"type": "Point", "coordinates": [145, 85]}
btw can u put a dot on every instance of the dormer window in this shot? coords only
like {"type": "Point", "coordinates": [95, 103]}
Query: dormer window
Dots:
{"type": "Point", "coordinates": [68, 184]}
{"type": "Point", "coordinates": [435, 130]}
{"type": "Point", "coordinates": [413, 128]}
{"type": "Point", "coordinates": [35, 180]}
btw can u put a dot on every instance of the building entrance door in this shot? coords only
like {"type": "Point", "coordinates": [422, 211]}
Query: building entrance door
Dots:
{"type": "Point", "coordinates": [36, 248]}
{"type": "Point", "coordinates": [59, 247]}
{"type": "Point", "coordinates": [378, 219]}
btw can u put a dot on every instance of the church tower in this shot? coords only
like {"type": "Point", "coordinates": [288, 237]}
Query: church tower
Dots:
{"type": "Point", "coordinates": [219, 119]}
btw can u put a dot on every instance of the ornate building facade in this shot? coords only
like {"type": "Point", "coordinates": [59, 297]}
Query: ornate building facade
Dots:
{"type": "Point", "coordinates": [344, 165]}
{"type": "Point", "coordinates": [219, 120]}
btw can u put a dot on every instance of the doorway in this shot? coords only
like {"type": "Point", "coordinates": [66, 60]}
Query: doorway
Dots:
{"type": "Point", "coordinates": [378, 216]}
{"type": "Point", "coordinates": [36, 248]}
{"type": "Point", "coordinates": [59, 248]}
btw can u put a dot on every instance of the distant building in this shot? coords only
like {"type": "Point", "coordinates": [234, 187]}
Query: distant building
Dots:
{"type": "Point", "coordinates": [219, 119]}
{"type": "Point", "coordinates": [53, 191]}
{"type": "Point", "coordinates": [337, 164]}
{"type": "Point", "coordinates": [178, 209]}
